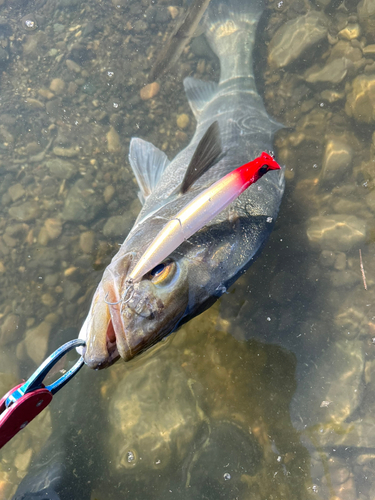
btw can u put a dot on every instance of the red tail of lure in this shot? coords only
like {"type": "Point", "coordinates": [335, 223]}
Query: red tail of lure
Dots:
{"type": "Point", "coordinates": [200, 211]}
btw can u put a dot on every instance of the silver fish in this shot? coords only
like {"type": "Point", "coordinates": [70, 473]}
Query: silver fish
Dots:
{"type": "Point", "coordinates": [125, 321]}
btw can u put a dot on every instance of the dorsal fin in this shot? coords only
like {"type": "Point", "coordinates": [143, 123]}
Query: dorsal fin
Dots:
{"type": "Point", "coordinates": [206, 154]}
{"type": "Point", "coordinates": [148, 163]}
{"type": "Point", "coordinates": [198, 93]}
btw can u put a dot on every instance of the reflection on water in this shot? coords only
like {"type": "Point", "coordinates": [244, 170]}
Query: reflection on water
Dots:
{"type": "Point", "coordinates": [219, 410]}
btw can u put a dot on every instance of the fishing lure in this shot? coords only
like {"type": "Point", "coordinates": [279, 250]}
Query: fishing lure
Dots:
{"type": "Point", "coordinates": [200, 211]}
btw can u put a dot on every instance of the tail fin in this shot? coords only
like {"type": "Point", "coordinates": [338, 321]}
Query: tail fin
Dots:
{"type": "Point", "coordinates": [230, 27]}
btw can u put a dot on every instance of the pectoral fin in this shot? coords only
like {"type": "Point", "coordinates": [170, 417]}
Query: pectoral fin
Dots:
{"type": "Point", "coordinates": [207, 153]}
{"type": "Point", "coordinates": [148, 164]}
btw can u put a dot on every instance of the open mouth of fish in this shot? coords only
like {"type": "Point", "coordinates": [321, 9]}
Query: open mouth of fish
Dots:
{"type": "Point", "coordinates": [101, 344]}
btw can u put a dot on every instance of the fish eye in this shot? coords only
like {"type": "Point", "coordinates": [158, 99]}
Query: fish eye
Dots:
{"type": "Point", "coordinates": [157, 270]}
{"type": "Point", "coordinates": [162, 273]}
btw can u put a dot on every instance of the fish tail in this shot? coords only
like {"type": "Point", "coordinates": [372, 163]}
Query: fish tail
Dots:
{"type": "Point", "coordinates": [230, 28]}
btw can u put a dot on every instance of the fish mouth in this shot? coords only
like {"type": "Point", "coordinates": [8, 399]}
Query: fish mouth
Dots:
{"type": "Point", "coordinates": [103, 329]}
{"type": "Point", "coordinates": [97, 330]}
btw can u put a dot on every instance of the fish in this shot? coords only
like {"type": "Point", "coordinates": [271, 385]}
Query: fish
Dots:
{"type": "Point", "coordinates": [202, 268]}
{"type": "Point", "coordinates": [178, 40]}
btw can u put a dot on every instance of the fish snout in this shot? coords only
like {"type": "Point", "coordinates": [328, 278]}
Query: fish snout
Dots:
{"type": "Point", "coordinates": [97, 331]}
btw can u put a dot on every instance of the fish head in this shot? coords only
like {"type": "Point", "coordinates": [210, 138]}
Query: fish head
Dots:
{"type": "Point", "coordinates": [127, 318]}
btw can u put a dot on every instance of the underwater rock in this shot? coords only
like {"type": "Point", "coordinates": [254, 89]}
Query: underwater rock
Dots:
{"type": "Point", "coordinates": [337, 160]}
{"type": "Point", "coordinates": [25, 212]}
{"type": "Point", "coordinates": [73, 66]}
{"type": "Point", "coordinates": [61, 169]}
{"type": "Point", "coordinates": [9, 329]}
{"type": "Point", "coordinates": [16, 191]}
{"type": "Point", "coordinates": [360, 103]}
{"type": "Point", "coordinates": [336, 232]}
{"type": "Point", "coordinates": [327, 258]}
{"type": "Point", "coordinates": [57, 86]}
{"type": "Point", "coordinates": [369, 50]}
{"type": "Point", "coordinates": [183, 120]}
{"type": "Point", "coordinates": [113, 141]}
{"type": "Point", "coordinates": [53, 228]}
{"type": "Point", "coordinates": [108, 193]}
{"type": "Point", "coordinates": [36, 341]}
{"type": "Point", "coordinates": [345, 49]}
{"type": "Point", "coordinates": [71, 290]}
{"type": "Point", "coordinates": [366, 15]}
{"type": "Point", "coordinates": [333, 72]}
{"type": "Point", "coordinates": [149, 91]}
{"type": "Point", "coordinates": [46, 94]}
{"type": "Point", "coordinates": [118, 225]}
{"type": "Point", "coordinates": [350, 32]}
{"type": "Point", "coordinates": [296, 36]}
{"type": "Point", "coordinates": [43, 238]}
{"type": "Point", "coordinates": [82, 203]}
{"type": "Point", "coordinates": [86, 241]}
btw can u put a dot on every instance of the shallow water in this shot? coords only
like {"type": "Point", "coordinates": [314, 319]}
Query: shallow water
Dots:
{"type": "Point", "coordinates": [271, 391]}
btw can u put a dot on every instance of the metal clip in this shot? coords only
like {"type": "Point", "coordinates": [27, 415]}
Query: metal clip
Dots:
{"type": "Point", "coordinates": [36, 379]}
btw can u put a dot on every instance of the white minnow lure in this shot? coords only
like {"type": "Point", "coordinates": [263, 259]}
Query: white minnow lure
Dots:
{"type": "Point", "coordinates": [200, 211]}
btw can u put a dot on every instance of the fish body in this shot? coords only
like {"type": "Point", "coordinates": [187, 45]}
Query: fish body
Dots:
{"type": "Point", "coordinates": [202, 268]}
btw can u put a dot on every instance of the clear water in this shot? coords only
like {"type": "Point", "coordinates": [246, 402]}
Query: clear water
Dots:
{"type": "Point", "coordinates": [269, 394]}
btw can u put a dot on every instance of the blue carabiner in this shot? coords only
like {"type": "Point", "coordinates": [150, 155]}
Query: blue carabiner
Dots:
{"type": "Point", "coordinates": [36, 379]}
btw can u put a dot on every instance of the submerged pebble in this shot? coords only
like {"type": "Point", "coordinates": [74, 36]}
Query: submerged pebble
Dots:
{"type": "Point", "coordinates": [53, 228]}
{"type": "Point", "coordinates": [149, 91]}
{"type": "Point", "coordinates": [183, 120]}
{"type": "Point", "coordinates": [350, 32]}
{"type": "Point", "coordinates": [36, 341]}
{"type": "Point", "coordinates": [26, 211]}
{"type": "Point", "coordinates": [295, 37]}
{"type": "Point", "coordinates": [118, 225]}
{"type": "Point", "coordinates": [337, 159]}
{"type": "Point", "coordinates": [366, 15]}
{"type": "Point", "coordinates": [71, 290]}
{"type": "Point", "coordinates": [113, 141]}
{"type": "Point", "coordinates": [360, 103]}
{"type": "Point", "coordinates": [73, 66]}
{"type": "Point", "coordinates": [336, 232]}
{"type": "Point", "coordinates": [333, 72]}
{"type": "Point", "coordinates": [16, 191]}
{"type": "Point", "coordinates": [109, 191]}
{"type": "Point", "coordinates": [9, 329]}
{"type": "Point", "coordinates": [57, 86]}
{"type": "Point", "coordinates": [82, 203]}
{"type": "Point", "coordinates": [86, 241]}
{"type": "Point", "coordinates": [61, 169]}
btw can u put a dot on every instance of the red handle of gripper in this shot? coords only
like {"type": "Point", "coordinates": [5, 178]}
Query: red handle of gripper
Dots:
{"type": "Point", "coordinates": [20, 413]}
